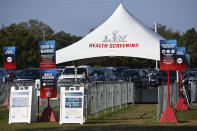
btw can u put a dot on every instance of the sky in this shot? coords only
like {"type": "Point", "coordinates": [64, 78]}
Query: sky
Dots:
{"type": "Point", "coordinates": [77, 17]}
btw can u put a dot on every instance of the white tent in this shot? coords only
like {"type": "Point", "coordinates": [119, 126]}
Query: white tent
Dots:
{"type": "Point", "coordinates": [120, 35]}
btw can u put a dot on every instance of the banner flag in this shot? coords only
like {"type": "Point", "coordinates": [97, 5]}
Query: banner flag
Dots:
{"type": "Point", "coordinates": [181, 58]}
{"type": "Point", "coordinates": [9, 55]}
{"type": "Point", "coordinates": [168, 55]}
{"type": "Point", "coordinates": [47, 54]}
{"type": "Point", "coordinates": [48, 83]}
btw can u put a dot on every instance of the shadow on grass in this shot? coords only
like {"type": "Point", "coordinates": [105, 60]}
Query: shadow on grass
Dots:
{"type": "Point", "coordinates": [121, 128]}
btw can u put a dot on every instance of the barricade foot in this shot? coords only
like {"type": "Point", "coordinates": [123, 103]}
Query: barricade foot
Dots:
{"type": "Point", "coordinates": [5, 103]}
{"type": "Point", "coordinates": [168, 116]}
{"type": "Point", "coordinates": [180, 106]}
{"type": "Point", "coordinates": [47, 115]}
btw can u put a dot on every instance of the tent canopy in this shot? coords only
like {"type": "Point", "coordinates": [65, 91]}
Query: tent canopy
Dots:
{"type": "Point", "coordinates": [120, 35]}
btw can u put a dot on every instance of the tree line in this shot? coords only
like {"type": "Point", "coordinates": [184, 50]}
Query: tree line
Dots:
{"type": "Point", "coordinates": [26, 35]}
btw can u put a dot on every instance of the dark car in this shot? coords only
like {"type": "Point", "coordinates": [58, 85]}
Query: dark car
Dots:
{"type": "Point", "coordinates": [3, 75]}
{"type": "Point", "coordinates": [28, 75]}
{"type": "Point", "coordinates": [118, 71]}
{"type": "Point", "coordinates": [14, 74]}
{"type": "Point", "coordinates": [152, 78]}
{"type": "Point", "coordinates": [162, 77]}
{"type": "Point", "coordinates": [131, 75]}
{"type": "Point", "coordinates": [103, 74]}
{"type": "Point", "coordinates": [189, 76]}
{"type": "Point", "coordinates": [135, 75]}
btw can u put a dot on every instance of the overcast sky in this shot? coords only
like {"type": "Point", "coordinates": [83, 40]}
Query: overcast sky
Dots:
{"type": "Point", "coordinates": [79, 16]}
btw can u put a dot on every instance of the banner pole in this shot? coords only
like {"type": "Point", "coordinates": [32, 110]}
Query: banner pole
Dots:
{"type": "Point", "coordinates": [156, 62]}
{"type": "Point", "coordinates": [168, 88]}
{"type": "Point", "coordinates": [48, 102]}
{"type": "Point", "coordinates": [181, 95]}
{"type": "Point", "coordinates": [10, 75]}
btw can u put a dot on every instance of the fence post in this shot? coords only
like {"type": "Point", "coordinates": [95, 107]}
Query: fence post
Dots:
{"type": "Point", "coordinates": [127, 94]}
{"type": "Point", "coordinates": [133, 93]}
{"type": "Point", "coordinates": [96, 100]}
{"type": "Point", "coordinates": [105, 98]}
{"type": "Point", "coordinates": [113, 98]}
{"type": "Point", "coordinates": [87, 96]}
{"type": "Point", "coordinates": [120, 96]}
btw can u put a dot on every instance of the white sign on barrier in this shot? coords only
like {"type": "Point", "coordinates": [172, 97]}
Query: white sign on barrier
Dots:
{"type": "Point", "coordinates": [20, 105]}
{"type": "Point", "coordinates": [72, 105]}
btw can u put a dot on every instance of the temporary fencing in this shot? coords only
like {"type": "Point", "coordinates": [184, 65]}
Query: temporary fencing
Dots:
{"type": "Point", "coordinates": [99, 96]}
{"type": "Point", "coordinates": [193, 92]}
{"type": "Point", "coordinates": [4, 93]}
{"type": "Point", "coordinates": [104, 95]}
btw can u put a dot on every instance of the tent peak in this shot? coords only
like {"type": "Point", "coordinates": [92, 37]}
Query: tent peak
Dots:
{"type": "Point", "coordinates": [121, 6]}
{"type": "Point", "coordinates": [121, 10]}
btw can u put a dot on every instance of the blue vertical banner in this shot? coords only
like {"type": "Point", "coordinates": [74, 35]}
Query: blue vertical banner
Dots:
{"type": "Point", "coordinates": [9, 55]}
{"type": "Point", "coordinates": [48, 83]}
{"type": "Point", "coordinates": [181, 58]}
{"type": "Point", "coordinates": [168, 54]}
{"type": "Point", "coordinates": [47, 54]}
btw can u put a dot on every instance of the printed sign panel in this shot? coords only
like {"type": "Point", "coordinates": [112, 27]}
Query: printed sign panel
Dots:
{"type": "Point", "coordinates": [48, 83]}
{"type": "Point", "coordinates": [9, 57]}
{"type": "Point", "coordinates": [47, 54]}
{"type": "Point", "coordinates": [71, 105]}
{"type": "Point", "coordinates": [181, 58]}
{"type": "Point", "coordinates": [20, 105]}
{"type": "Point", "coordinates": [168, 55]}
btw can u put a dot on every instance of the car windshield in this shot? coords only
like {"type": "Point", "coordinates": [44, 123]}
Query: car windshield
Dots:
{"type": "Point", "coordinates": [192, 74]}
{"type": "Point", "coordinates": [99, 72]}
{"type": "Point", "coordinates": [118, 71]}
{"type": "Point", "coordinates": [130, 74]}
{"type": "Point", "coordinates": [71, 71]}
{"type": "Point", "coordinates": [165, 73]}
{"type": "Point", "coordinates": [29, 74]}
{"type": "Point", "coordinates": [2, 73]}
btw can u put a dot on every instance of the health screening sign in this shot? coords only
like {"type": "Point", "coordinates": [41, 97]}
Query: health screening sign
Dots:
{"type": "Point", "coordinates": [181, 58]}
{"type": "Point", "coordinates": [48, 83]}
{"type": "Point", "coordinates": [116, 40]}
{"type": "Point", "coordinates": [47, 54]}
{"type": "Point", "coordinates": [9, 56]}
{"type": "Point", "coordinates": [168, 55]}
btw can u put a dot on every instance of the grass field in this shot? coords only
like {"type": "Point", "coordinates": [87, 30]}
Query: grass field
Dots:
{"type": "Point", "coordinates": [140, 117]}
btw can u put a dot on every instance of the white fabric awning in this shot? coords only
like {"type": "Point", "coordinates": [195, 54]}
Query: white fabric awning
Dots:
{"type": "Point", "coordinates": [120, 35]}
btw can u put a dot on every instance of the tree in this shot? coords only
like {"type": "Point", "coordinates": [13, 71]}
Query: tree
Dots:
{"type": "Point", "coordinates": [189, 40]}
{"type": "Point", "coordinates": [25, 37]}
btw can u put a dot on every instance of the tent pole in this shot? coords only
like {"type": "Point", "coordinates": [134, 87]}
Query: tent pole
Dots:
{"type": "Point", "coordinates": [75, 64]}
{"type": "Point", "coordinates": [156, 62]}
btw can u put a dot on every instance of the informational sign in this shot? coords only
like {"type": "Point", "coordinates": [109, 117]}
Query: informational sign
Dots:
{"type": "Point", "coordinates": [71, 105]}
{"type": "Point", "coordinates": [47, 54]}
{"type": "Point", "coordinates": [181, 58]}
{"type": "Point", "coordinates": [20, 105]}
{"type": "Point", "coordinates": [48, 83]}
{"type": "Point", "coordinates": [168, 55]}
{"type": "Point", "coordinates": [9, 57]}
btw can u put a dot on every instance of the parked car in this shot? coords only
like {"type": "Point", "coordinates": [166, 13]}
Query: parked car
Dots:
{"type": "Point", "coordinates": [59, 70]}
{"type": "Point", "coordinates": [118, 71]}
{"type": "Point", "coordinates": [134, 75]}
{"type": "Point", "coordinates": [189, 76]}
{"type": "Point", "coordinates": [103, 74]}
{"type": "Point", "coordinates": [28, 75]}
{"type": "Point", "coordinates": [152, 78]}
{"type": "Point", "coordinates": [130, 74]}
{"type": "Point", "coordinates": [162, 77]}
{"type": "Point", "coordinates": [68, 74]}
{"type": "Point", "coordinates": [14, 74]}
{"type": "Point", "coordinates": [3, 75]}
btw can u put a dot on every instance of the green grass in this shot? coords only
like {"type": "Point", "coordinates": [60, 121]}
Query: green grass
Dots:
{"type": "Point", "coordinates": [137, 117]}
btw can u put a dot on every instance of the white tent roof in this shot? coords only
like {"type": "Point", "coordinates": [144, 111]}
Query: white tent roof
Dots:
{"type": "Point", "coordinates": [120, 35]}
